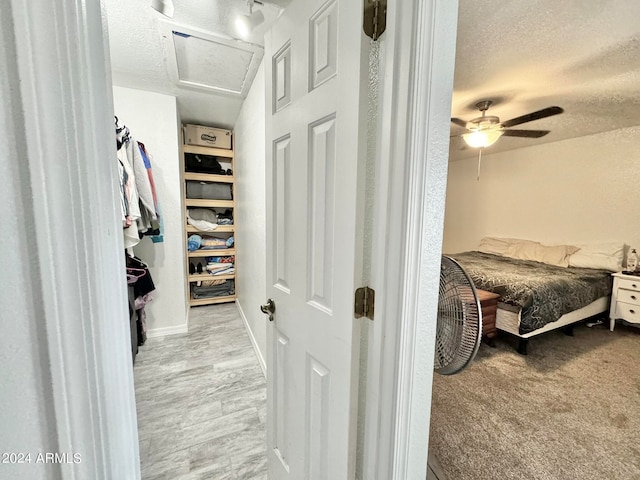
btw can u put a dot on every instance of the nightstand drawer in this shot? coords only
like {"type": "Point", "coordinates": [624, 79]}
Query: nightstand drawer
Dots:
{"type": "Point", "coordinates": [628, 312]}
{"type": "Point", "coordinates": [629, 284]}
{"type": "Point", "coordinates": [492, 309]}
{"type": "Point", "coordinates": [629, 296]}
{"type": "Point", "coordinates": [489, 318]}
{"type": "Point", "coordinates": [489, 305]}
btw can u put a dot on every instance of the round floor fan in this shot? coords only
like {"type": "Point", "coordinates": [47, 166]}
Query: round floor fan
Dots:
{"type": "Point", "coordinates": [458, 332]}
{"type": "Point", "coordinates": [459, 328]}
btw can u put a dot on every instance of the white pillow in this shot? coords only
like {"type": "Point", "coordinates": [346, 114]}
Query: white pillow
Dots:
{"type": "Point", "coordinates": [603, 256]}
{"type": "Point", "coordinates": [495, 245]}
{"type": "Point", "coordinates": [522, 249]}
{"type": "Point", "coordinates": [551, 254]}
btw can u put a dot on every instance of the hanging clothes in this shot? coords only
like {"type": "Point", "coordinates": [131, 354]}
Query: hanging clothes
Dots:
{"type": "Point", "coordinates": [157, 226]}
{"type": "Point", "coordinates": [139, 200]}
{"type": "Point", "coordinates": [130, 194]}
{"type": "Point", "coordinates": [143, 186]}
{"type": "Point", "coordinates": [140, 211]}
{"type": "Point", "coordinates": [139, 276]}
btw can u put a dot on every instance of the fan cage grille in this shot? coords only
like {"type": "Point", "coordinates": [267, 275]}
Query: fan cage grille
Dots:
{"type": "Point", "coordinates": [459, 327]}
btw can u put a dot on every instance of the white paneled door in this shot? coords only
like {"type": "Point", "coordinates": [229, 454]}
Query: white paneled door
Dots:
{"type": "Point", "coordinates": [316, 58]}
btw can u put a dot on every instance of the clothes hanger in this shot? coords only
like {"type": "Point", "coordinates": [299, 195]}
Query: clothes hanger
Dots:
{"type": "Point", "coordinates": [135, 262]}
{"type": "Point", "coordinates": [133, 274]}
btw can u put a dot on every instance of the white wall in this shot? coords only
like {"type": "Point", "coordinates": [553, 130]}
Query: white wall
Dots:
{"type": "Point", "coordinates": [250, 212]}
{"type": "Point", "coordinates": [582, 190]}
{"type": "Point", "coordinates": [152, 119]}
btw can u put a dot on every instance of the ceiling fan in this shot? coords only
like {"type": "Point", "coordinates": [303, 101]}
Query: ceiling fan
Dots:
{"type": "Point", "coordinates": [485, 130]}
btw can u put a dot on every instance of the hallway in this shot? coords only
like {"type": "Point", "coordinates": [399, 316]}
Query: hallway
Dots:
{"type": "Point", "coordinates": [201, 401]}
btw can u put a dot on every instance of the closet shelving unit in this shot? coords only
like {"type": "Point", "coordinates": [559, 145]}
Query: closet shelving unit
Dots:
{"type": "Point", "coordinates": [226, 157]}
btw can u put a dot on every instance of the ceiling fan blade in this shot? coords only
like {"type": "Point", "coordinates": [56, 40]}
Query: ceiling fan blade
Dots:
{"type": "Point", "coordinates": [530, 117]}
{"type": "Point", "coordinates": [459, 122]}
{"type": "Point", "coordinates": [525, 133]}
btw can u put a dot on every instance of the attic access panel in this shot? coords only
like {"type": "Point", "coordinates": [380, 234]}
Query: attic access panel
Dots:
{"type": "Point", "coordinates": [206, 61]}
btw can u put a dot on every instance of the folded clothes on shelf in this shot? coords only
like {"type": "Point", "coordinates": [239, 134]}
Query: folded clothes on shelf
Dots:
{"type": "Point", "coordinates": [208, 219]}
{"type": "Point", "coordinates": [228, 271]}
{"type": "Point", "coordinates": [196, 242]}
{"type": "Point", "coordinates": [220, 268]}
{"type": "Point", "coordinates": [222, 259]}
{"type": "Point", "coordinates": [202, 225]}
{"type": "Point", "coordinates": [206, 214]}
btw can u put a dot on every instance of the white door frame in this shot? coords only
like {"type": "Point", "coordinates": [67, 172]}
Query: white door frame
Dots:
{"type": "Point", "coordinates": [417, 56]}
{"type": "Point", "coordinates": [65, 108]}
{"type": "Point", "coordinates": [59, 97]}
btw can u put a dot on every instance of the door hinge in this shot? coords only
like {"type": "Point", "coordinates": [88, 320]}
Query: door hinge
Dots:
{"type": "Point", "coordinates": [375, 18]}
{"type": "Point", "coordinates": [364, 302]}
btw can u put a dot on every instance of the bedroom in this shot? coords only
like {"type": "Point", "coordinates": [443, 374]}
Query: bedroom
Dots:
{"type": "Point", "coordinates": [576, 185]}
{"type": "Point", "coordinates": [76, 34]}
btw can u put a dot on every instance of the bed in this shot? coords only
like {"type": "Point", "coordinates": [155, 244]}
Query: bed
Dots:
{"type": "Point", "coordinates": [537, 297]}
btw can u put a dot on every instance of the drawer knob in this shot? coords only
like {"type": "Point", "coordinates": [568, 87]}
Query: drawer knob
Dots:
{"type": "Point", "coordinates": [633, 297]}
{"type": "Point", "coordinates": [634, 285]}
{"type": "Point", "coordinates": [632, 311]}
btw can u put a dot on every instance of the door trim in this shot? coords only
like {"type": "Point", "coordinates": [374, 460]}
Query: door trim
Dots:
{"type": "Point", "coordinates": [62, 111]}
{"type": "Point", "coordinates": [410, 195]}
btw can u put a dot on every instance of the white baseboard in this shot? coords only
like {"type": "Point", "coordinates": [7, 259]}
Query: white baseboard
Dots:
{"type": "Point", "coordinates": [163, 331]}
{"type": "Point", "coordinates": [263, 364]}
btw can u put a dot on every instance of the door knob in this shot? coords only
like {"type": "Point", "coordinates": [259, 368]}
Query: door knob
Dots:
{"type": "Point", "coordinates": [269, 308]}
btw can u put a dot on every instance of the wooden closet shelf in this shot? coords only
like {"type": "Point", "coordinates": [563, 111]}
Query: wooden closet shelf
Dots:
{"type": "Point", "coordinates": [227, 161]}
{"type": "Point", "coordinates": [194, 302]}
{"type": "Point", "coordinates": [200, 202]}
{"type": "Point", "coordinates": [220, 229]}
{"type": "Point", "coordinates": [208, 177]}
{"type": "Point", "coordinates": [216, 152]}
{"type": "Point", "coordinates": [213, 253]}
{"type": "Point", "coordinates": [207, 276]}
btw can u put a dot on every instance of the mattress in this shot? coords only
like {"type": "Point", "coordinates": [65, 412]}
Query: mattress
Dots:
{"type": "Point", "coordinates": [541, 293]}
{"type": "Point", "coordinates": [508, 320]}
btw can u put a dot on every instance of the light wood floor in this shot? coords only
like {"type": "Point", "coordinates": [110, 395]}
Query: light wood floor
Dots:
{"type": "Point", "coordinates": [201, 402]}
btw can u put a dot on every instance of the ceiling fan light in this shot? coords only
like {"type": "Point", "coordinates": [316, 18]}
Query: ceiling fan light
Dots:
{"type": "Point", "coordinates": [246, 23]}
{"type": "Point", "coordinates": [165, 7]}
{"type": "Point", "coordinates": [482, 138]}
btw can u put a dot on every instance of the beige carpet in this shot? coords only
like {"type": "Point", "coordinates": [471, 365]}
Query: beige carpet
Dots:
{"type": "Point", "coordinates": [569, 410]}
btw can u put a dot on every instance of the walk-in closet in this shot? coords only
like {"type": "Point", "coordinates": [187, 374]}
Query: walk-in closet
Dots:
{"type": "Point", "coordinates": [188, 96]}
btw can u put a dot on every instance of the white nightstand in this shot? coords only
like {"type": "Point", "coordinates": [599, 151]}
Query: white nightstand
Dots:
{"type": "Point", "coordinates": [625, 299]}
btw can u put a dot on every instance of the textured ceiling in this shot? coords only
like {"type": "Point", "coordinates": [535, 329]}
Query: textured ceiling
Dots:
{"type": "Point", "coordinates": [139, 56]}
{"type": "Point", "coordinates": [525, 55]}
{"type": "Point", "coordinates": [583, 56]}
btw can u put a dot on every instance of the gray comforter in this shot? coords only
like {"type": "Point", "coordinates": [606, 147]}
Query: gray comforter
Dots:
{"type": "Point", "coordinates": [543, 292]}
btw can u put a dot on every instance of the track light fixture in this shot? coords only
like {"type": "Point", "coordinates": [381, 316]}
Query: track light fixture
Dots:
{"type": "Point", "coordinates": [245, 24]}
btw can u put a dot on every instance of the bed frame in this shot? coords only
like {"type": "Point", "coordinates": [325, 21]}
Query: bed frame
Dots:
{"type": "Point", "coordinates": [509, 321]}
